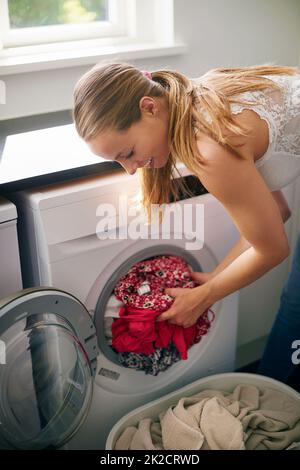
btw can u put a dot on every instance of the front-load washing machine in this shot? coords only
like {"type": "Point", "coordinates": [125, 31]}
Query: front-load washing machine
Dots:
{"type": "Point", "coordinates": [10, 273]}
{"type": "Point", "coordinates": [70, 251]}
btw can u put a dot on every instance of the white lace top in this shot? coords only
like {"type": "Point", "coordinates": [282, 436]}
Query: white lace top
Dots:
{"type": "Point", "coordinates": [280, 165]}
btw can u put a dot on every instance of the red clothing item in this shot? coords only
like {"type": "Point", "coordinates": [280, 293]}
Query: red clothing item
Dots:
{"type": "Point", "coordinates": [138, 331]}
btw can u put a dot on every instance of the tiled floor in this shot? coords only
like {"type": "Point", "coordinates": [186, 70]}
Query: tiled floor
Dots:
{"type": "Point", "coordinates": [294, 380]}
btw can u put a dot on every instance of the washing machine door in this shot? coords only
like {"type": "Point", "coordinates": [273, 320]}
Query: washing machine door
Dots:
{"type": "Point", "coordinates": [48, 354]}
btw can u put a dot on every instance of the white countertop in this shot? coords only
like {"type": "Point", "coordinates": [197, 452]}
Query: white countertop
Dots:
{"type": "Point", "coordinates": [44, 151]}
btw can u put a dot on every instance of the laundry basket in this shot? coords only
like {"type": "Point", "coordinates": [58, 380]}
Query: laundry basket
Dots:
{"type": "Point", "coordinates": [223, 382]}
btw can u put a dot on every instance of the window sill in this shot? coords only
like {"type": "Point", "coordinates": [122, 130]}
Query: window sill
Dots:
{"type": "Point", "coordinates": [78, 53]}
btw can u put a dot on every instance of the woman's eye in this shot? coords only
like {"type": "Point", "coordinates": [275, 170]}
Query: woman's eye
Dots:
{"type": "Point", "coordinates": [130, 155]}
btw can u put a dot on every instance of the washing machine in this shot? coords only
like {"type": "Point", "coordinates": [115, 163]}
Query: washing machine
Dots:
{"type": "Point", "coordinates": [73, 266]}
{"type": "Point", "coordinates": [10, 274]}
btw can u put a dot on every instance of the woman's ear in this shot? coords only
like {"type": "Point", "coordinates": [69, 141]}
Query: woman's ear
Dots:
{"type": "Point", "coordinates": [148, 105]}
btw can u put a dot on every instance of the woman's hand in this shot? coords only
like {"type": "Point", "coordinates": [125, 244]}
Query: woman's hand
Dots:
{"type": "Point", "coordinates": [188, 306]}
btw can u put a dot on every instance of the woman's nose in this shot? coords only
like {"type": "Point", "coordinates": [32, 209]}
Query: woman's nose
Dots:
{"type": "Point", "coordinates": [130, 169]}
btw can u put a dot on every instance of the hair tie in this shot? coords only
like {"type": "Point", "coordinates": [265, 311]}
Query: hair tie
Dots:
{"type": "Point", "coordinates": [147, 74]}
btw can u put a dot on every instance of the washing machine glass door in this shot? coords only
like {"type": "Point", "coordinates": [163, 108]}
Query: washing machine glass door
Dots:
{"type": "Point", "coordinates": [46, 375]}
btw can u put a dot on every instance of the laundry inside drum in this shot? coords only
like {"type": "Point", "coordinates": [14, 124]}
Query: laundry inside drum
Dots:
{"type": "Point", "coordinates": [138, 298]}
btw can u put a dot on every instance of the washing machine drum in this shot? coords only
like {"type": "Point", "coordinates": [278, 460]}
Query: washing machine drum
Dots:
{"type": "Point", "coordinates": [48, 354]}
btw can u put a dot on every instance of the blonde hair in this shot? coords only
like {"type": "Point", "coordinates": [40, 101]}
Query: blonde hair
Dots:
{"type": "Point", "coordinates": [108, 96]}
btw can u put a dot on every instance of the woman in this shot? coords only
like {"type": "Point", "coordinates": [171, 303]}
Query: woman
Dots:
{"type": "Point", "coordinates": [236, 129]}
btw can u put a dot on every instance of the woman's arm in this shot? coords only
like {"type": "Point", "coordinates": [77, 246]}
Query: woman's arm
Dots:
{"type": "Point", "coordinates": [244, 194]}
{"type": "Point", "coordinates": [244, 270]}
{"type": "Point", "coordinates": [242, 244]}
{"type": "Point", "coordinates": [237, 249]}
{"type": "Point", "coordinates": [237, 184]}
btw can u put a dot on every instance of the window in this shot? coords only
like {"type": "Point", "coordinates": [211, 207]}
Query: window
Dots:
{"type": "Point", "coordinates": [53, 34]}
{"type": "Point", "coordinates": [31, 22]}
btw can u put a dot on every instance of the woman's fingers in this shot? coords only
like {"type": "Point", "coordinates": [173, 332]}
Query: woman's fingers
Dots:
{"type": "Point", "coordinates": [200, 277]}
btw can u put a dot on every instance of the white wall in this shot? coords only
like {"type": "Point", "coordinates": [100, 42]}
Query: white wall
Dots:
{"type": "Point", "coordinates": [219, 33]}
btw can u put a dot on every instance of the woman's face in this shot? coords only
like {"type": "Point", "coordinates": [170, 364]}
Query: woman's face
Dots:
{"type": "Point", "coordinates": [144, 144]}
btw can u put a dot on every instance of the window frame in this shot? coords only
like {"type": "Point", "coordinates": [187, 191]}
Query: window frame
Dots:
{"type": "Point", "coordinates": [149, 34]}
{"type": "Point", "coordinates": [34, 36]}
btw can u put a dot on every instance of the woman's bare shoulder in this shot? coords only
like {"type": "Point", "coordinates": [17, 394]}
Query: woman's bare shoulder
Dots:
{"type": "Point", "coordinates": [251, 147]}
{"type": "Point", "coordinates": [210, 150]}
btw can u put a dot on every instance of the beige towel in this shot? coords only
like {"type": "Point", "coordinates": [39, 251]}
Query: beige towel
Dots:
{"type": "Point", "coordinates": [249, 417]}
{"type": "Point", "coordinates": [222, 430]}
{"type": "Point", "coordinates": [146, 436]}
{"type": "Point", "coordinates": [124, 441]}
{"type": "Point", "coordinates": [187, 427]}
{"type": "Point", "coordinates": [272, 420]}
{"type": "Point", "coordinates": [180, 426]}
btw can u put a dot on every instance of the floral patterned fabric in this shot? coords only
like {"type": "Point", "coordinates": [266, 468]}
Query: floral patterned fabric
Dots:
{"type": "Point", "coordinates": [160, 273]}
{"type": "Point", "coordinates": [137, 329]}
{"type": "Point", "coordinates": [151, 364]}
